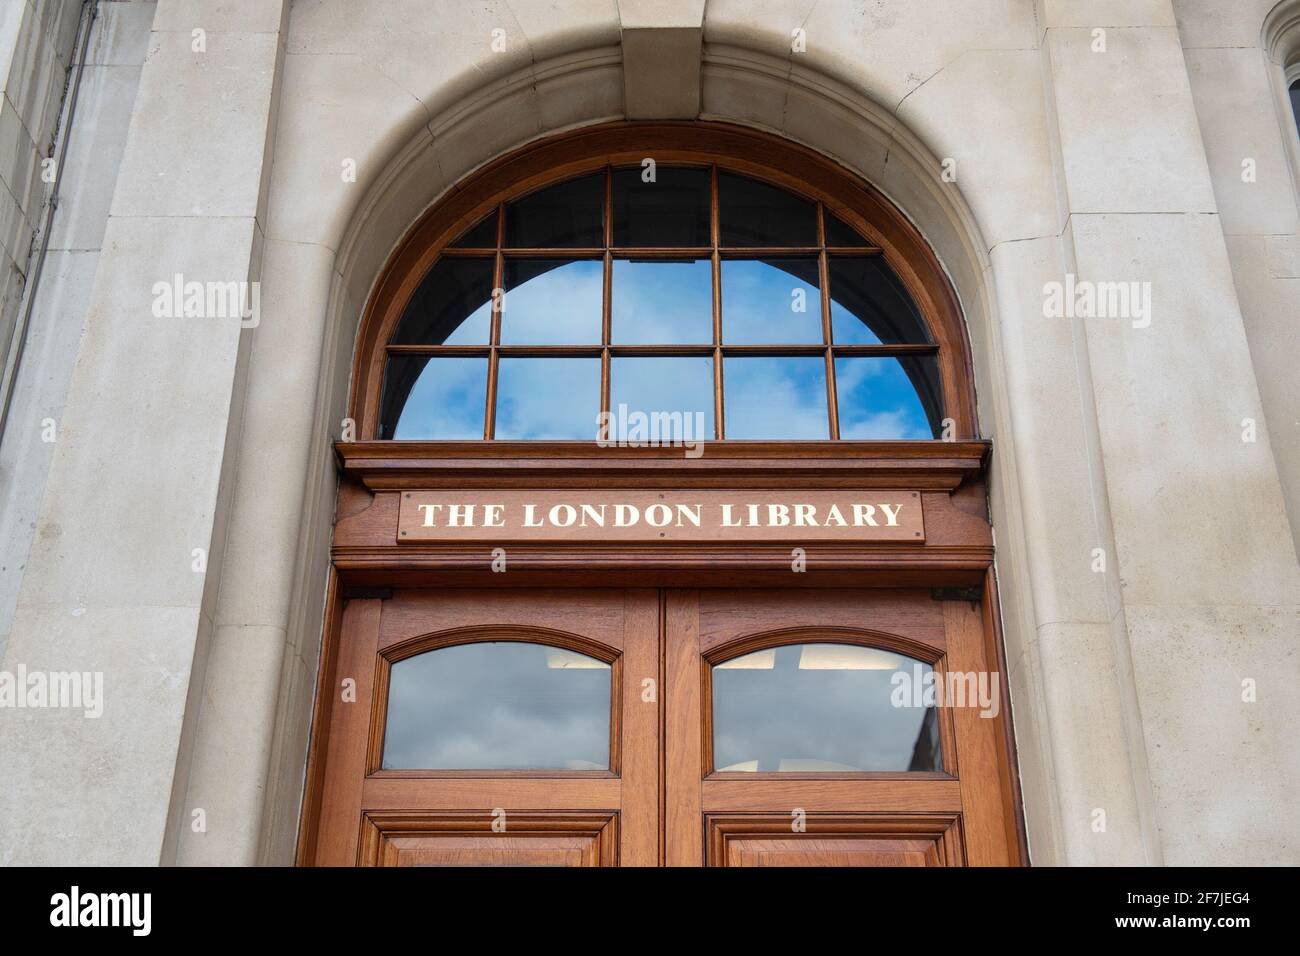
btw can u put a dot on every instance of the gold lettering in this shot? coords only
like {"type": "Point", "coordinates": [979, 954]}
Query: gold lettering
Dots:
{"type": "Point", "coordinates": [691, 513]}
{"type": "Point", "coordinates": [863, 514]}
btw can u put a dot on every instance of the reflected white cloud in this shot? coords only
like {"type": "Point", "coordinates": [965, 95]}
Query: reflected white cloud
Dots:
{"type": "Point", "coordinates": [656, 303]}
{"type": "Point", "coordinates": [497, 705]}
{"type": "Point", "coordinates": [550, 302]}
{"type": "Point", "coordinates": [877, 400]}
{"type": "Point", "coordinates": [447, 400]}
{"type": "Point", "coordinates": [781, 716]}
{"type": "Point", "coordinates": [767, 302]}
{"type": "Point", "coordinates": [548, 398]}
{"type": "Point", "coordinates": [775, 398]}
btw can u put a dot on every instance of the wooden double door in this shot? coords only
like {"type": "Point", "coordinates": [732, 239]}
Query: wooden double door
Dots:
{"type": "Point", "coordinates": [663, 727]}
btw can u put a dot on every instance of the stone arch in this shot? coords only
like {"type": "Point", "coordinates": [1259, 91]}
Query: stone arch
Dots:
{"type": "Point", "coordinates": [737, 85]}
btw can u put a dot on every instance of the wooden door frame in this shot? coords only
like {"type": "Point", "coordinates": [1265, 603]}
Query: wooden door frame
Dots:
{"type": "Point", "coordinates": [955, 560]}
{"type": "Point", "coordinates": [956, 555]}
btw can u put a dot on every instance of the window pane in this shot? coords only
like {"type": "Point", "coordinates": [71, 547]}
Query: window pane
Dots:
{"type": "Point", "coordinates": [568, 214]}
{"type": "Point", "coordinates": [840, 233]}
{"type": "Point", "coordinates": [671, 211]}
{"type": "Point", "coordinates": [452, 306]}
{"type": "Point", "coordinates": [869, 305]}
{"type": "Point", "coordinates": [1295, 104]}
{"type": "Point", "coordinates": [775, 397]}
{"type": "Point", "coordinates": [771, 301]}
{"type": "Point", "coordinates": [552, 302]}
{"type": "Point", "coordinates": [889, 398]}
{"type": "Point", "coordinates": [439, 398]}
{"type": "Point", "coordinates": [657, 303]}
{"type": "Point", "coordinates": [498, 706]}
{"type": "Point", "coordinates": [482, 236]}
{"type": "Point", "coordinates": [674, 394]}
{"type": "Point", "coordinates": [548, 398]}
{"type": "Point", "coordinates": [823, 707]}
{"type": "Point", "coordinates": [751, 213]}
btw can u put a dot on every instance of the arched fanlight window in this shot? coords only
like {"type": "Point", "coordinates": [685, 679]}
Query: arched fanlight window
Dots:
{"type": "Point", "coordinates": [701, 294]}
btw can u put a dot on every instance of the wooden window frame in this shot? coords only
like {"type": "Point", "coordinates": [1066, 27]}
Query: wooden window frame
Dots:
{"type": "Point", "coordinates": [717, 147]}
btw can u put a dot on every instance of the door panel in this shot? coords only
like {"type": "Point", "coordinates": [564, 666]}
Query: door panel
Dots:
{"type": "Point", "coordinates": [782, 812]}
{"type": "Point", "coordinates": [511, 816]}
{"type": "Point", "coordinates": [479, 839]}
{"type": "Point", "coordinates": [821, 658]}
{"type": "Point", "coordinates": [834, 840]}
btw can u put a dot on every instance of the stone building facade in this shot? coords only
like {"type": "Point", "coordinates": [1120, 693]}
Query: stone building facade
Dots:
{"type": "Point", "coordinates": [167, 486]}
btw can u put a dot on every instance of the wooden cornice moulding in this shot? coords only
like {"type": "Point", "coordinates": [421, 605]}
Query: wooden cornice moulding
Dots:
{"type": "Point", "coordinates": [919, 465]}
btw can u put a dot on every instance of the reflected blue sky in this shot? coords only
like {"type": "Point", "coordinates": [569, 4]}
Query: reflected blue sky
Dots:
{"type": "Point", "coordinates": [877, 400]}
{"type": "Point", "coordinates": [498, 705]}
{"type": "Point", "coordinates": [870, 306]}
{"type": "Point", "coordinates": [760, 305]}
{"type": "Point", "coordinates": [552, 303]}
{"type": "Point", "coordinates": [775, 398]}
{"type": "Point", "coordinates": [548, 398]}
{"type": "Point", "coordinates": [657, 303]}
{"type": "Point", "coordinates": [663, 385]}
{"type": "Point", "coordinates": [447, 401]}
{"type": "Point", "coordinates": [558, 302]}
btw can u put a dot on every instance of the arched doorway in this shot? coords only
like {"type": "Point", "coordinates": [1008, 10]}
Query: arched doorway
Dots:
{"type": "Point", "coordinates": [665, 537]}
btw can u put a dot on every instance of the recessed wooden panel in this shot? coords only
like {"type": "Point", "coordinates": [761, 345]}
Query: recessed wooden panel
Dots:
{"type": "Point", "coordinates": [478, 839]}
{"type": "Point", "coordinates": [841, 840]}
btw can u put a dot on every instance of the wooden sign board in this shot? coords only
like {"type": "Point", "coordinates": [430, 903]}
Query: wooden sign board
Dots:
{"type": "Point", "coordinates": [605, 515]}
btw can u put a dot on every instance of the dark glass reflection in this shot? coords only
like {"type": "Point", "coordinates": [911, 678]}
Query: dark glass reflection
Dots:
{"type": "Point", "coordinates": [752, 213]}
{"type": "Point", "coordinates": [672, 396]}
{"type": "Point", "coordinates": [840, 233]}
{"type": "Point", "coordinates": [552, 302]}
{"type": "Point", "coordinates": [434, 398]}
{"type": "Point", "coordinates": [869, 305]}
{"type": "Point", "coordinates": [775, 397]}
{"type": "Point", "coordinates": [771, 301]}
{"type": "Point", "coordinates": [823, 707]}
{"type": "Point", "coordinates": [452, 306]}
{"type": "Point", "coordinates": [548, 398]}
{"type": "Point", "coordinates": [498, 706]}
{"type": "Point", "coordinates": [482, 236]}
{"type": "Point", "coordinates": [569, 215]}
{"type": "Point", "coordinates": [653, 302]}
{"type": "Point", "coordinates": [888, 398]}
{"type": "Point", "coordinates": [1295, 104]}
{"type": "Point", "coordinates": [673, 210]}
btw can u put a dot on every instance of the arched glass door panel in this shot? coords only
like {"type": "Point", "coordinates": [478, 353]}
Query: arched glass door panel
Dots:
{"type": "Point", "coordinates": [498, 705]}
{"type": "Point", "coordinates": [824, 707]}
